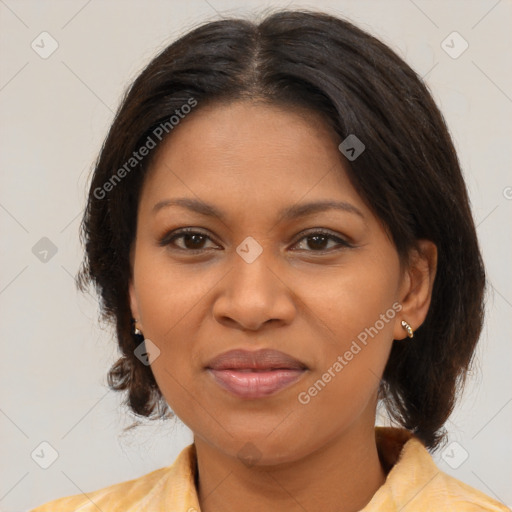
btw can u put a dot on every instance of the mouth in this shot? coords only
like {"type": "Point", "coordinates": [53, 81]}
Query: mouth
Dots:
{"type": "Point", "coordinates": [255, 374]}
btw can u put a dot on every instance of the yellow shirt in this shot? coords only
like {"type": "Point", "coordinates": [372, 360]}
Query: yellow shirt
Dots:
{"type": "Point", "coordinates": [413, 484]}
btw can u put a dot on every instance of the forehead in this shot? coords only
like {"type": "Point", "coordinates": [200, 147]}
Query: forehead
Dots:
{"type": "Point", "coordinates": [250, 152]}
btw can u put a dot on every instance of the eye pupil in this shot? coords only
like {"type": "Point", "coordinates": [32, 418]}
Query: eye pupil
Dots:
{"type": "Point", "coordinates": [316, 238]}
{"type": "Point", "coordinates": [195, 238]}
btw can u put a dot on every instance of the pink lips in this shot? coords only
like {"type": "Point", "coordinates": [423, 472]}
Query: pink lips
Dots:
{"type": "Point", "coordinates": [255, 374]}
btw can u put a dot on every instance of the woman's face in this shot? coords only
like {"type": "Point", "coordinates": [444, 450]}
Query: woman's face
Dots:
{"type": "Point", "coordinates": [320, 285]}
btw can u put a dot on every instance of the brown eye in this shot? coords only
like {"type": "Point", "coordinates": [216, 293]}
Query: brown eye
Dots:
{"type": "Point", "coordinates": [317, 241]}
{"type": "Point", "coordinates": [191, 240]}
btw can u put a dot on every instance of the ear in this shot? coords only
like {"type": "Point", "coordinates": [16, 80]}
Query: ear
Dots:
{"type": "Point", "coordinates": [416, 288]}
{"type": "Point", "coordinates": [134, 306]}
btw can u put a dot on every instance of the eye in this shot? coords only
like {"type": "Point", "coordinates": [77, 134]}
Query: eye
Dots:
{"type": "Point", "coordinates": [319, 239]}
{"type": "Point", "coordinates": [192, 240]}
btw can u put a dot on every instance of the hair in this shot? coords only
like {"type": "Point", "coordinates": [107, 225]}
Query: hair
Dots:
{"type": "Point", "coordinates": [409, 175]}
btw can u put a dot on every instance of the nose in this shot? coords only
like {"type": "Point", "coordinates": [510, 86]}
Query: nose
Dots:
{"type": "Point", "coordinates": [252, 295]}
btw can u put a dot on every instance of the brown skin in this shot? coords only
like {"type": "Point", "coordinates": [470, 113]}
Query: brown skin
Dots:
{"type": "Point", "coordinates": [251, 160]}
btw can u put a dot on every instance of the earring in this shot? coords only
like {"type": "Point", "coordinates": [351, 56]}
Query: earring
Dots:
{"type": "Point", "coordinates": [408, 328]}
{"type": "Point", "coordinates": [136, 330]}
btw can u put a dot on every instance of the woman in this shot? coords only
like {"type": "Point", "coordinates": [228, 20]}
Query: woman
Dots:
{"type": "Point", "coordinates": [279, 228]}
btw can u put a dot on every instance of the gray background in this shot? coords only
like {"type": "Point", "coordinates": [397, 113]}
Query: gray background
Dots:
{"type": "Point", "coordinates": [54, 114]}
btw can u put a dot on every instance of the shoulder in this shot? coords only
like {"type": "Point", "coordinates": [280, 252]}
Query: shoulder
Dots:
{"type": "Point", "coordinates": [453, 492]}
{"type": "Point", "coordinates": [148, 490]}
{"type": "Point", "coordinates": [123, 496]}
{"type": "Point", "coordinates": [415, 483]}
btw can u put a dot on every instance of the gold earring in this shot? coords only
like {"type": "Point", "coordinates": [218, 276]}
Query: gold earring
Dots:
{"type": "Point", "coordinates": [136, 330]}
{"type": "Point", "coordinates": [408, 329]}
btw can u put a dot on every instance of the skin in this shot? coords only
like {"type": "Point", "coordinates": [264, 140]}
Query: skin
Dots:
{"type": "Point", "coordinates": [251, 160]}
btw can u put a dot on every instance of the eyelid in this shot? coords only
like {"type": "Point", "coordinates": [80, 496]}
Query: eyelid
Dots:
{"type": "Point", "coordinates": [341, 240]}
{"type": "Point", "coordinates": [172, 235]}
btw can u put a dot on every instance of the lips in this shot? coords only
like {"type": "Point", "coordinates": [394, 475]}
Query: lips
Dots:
{"type": "Point", "coordinates": [255, 374]}
{"type": "Point", "coordinates": [259, 360]}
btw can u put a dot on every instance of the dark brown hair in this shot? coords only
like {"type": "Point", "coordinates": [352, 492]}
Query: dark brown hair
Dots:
{"type": "Point", "coordinates": [409, 175]}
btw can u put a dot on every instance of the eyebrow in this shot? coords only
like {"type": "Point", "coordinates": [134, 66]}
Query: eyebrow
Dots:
{"type": "Point", "coordinates": [287, 214]}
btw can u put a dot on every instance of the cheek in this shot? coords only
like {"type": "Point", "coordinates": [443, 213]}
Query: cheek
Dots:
{"type": "Point", "coordinates": [344, 383]}
{"type": "Point", "coordinates": [171, 301]}
{"type": "Point", "coordinates": [168, 294]}
{"type": "Point", "coordinates": [356, 300]}
{"type": "Point", "coordinates": [354, 312]}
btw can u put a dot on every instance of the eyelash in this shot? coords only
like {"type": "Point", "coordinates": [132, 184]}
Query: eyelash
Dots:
{"type": "Point", "coordinates": [169, 238]}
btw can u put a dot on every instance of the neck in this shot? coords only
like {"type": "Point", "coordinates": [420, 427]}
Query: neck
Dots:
{"type": "Point", "coordinates": [341, 476]}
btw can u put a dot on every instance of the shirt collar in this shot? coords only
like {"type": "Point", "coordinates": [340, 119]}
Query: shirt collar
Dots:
{"type": "Point", "coordinates": [413, 482]}
{"type": "Point", "coordinates": [179, 487]}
